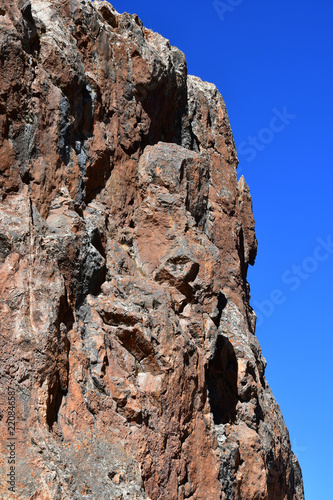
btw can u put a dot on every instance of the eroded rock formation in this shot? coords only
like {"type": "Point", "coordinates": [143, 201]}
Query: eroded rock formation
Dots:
{"type": "Point", "coordinates": [125, 238]}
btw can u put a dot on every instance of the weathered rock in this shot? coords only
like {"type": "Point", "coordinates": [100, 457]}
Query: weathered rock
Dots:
{"type": "Point", "coordinates": [125, 239]}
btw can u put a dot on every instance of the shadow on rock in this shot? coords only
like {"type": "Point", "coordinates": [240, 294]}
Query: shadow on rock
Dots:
{"type": "Point", "coordinates": [221, 382]}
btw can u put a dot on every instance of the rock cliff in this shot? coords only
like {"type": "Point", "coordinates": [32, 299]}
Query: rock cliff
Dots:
{"type": "Point", "coordinates": [127, 337]}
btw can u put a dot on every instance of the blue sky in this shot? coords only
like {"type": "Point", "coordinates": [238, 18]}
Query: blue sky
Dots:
{"type": "Point", "coordinates": [272, 62]}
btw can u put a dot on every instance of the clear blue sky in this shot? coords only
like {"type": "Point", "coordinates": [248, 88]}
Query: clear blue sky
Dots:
{"type": "Point", "coordinates": [272, 62]}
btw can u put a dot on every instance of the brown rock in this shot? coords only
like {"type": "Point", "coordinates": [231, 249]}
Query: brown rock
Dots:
{"type": "Point", "coordinates": [126, 330]}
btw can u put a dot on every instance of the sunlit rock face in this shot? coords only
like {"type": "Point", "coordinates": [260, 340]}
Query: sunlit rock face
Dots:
{"type": "Point", "coordinates": [125, 239]}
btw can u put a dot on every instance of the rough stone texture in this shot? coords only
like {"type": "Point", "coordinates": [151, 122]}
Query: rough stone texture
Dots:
{"type": "Point", "coordinates": [125, 240]}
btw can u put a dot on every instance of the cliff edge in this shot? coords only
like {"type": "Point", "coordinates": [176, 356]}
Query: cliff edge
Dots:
{"type": "Point", "coordinates": [129, 362]}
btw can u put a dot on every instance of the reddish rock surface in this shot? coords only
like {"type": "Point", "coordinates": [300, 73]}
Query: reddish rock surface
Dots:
{"type": "Point", "coordinates": [125, 238]}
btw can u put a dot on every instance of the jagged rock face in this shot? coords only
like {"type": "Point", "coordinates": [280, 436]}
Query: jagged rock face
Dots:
{"type": "Point", "coordinates": [125, 240]}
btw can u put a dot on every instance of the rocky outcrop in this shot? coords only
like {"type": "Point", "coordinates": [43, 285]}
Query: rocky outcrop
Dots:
{"type": "Point", "coordinates": [125, 239]}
